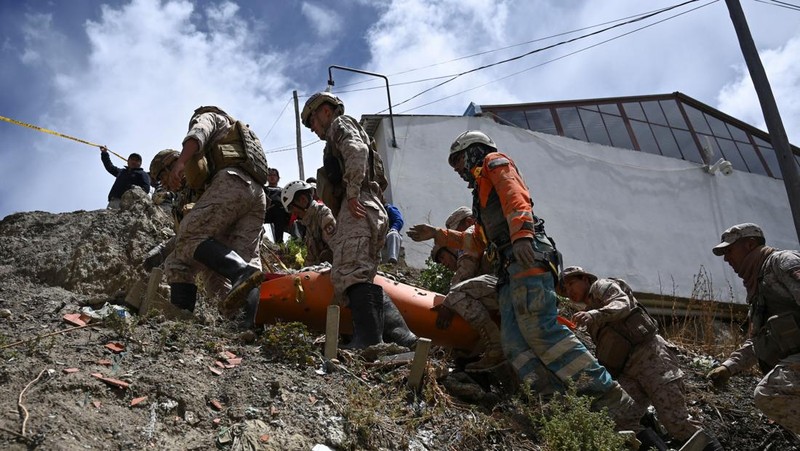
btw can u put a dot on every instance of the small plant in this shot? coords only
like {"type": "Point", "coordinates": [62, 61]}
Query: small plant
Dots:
{"type": "Point", "coordinates": [294, 253]}
{"type": "Point", "coordinates": [289, 342]}
{"type": "Point", "coordinates": [435, 277]}
{"type": "Point", "coordinates": [124, 327]}
{"type": "Point", "coordinates": [568, 424]}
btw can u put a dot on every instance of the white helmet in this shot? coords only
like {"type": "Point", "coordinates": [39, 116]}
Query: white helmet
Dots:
{"type": "Point", "coordinates": [291, 189]}
{"type": "Point", "coordinates": [467, 139]}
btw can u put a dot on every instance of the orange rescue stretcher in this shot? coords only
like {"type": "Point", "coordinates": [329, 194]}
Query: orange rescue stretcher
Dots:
{"type": "Point", "coordinates": [304, 297]}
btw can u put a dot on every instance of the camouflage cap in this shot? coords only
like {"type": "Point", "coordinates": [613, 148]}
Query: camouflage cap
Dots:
{"type": "Point", "coordinates": [570, 271]}
{"type": "Point", "coordinates": [730, 236]}
{"type": "Point", "coordinates": [457, 216]}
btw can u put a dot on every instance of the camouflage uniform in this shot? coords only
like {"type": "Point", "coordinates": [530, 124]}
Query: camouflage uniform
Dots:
{"type": "Point", "coordinates": [357, 243]}
{"type": "Point", "coordinates": [320, 227]}
{"type": "Point", "coordinates": [473, 290]}
{"type": "Point", "coordinates": [778, 393]}
{"type": "Point", "coordinates": [230, 210]}
{"type": "Point", "coordinates": [651, 373]}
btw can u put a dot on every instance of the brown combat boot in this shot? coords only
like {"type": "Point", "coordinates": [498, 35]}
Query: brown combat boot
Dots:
{"type": "Point", "coordinates": [493, 356]}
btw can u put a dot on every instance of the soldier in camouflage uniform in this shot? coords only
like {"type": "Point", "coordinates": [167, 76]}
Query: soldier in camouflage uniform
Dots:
{"type": "Point", "coordinates": [629, 346]}
{"type": "Point", "coordinates": [347, 183]}
{"type": "Point", "coordinates": [297, 198]}
{"type": "Point", "coordinates": [473, 289]}
{"type": "Point", "coordinates": [772, 280]}
{"type": "Point", "coordinates": [224, 159]}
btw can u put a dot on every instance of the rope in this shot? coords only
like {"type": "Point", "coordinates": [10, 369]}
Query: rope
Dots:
{"type": "Point", "coordinates": [55, 133]}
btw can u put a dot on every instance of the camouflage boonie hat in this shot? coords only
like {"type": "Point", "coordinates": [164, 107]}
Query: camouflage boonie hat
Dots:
{"type": "Point", "coordinates": [570, 271]}
{"type": "Point", "coordinates": [733, 234]}
{"type": "Point", "coordinates": [457, 216]}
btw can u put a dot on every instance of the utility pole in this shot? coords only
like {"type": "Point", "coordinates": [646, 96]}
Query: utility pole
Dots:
{"type": "Point", "coordinates": [777, 134]}
{"type": "Point", "coordinates": [299, 139]}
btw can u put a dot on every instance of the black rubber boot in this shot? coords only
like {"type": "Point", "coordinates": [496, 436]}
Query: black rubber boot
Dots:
{"type": "Point", "coordinates": [366, 306]}
{"type": "Point", "coordinates": [183, 295]}
{"type": "Point", "coordinates": [395, 329]}
{"type": "Point", "coordinates": [651, 440]}
{"type": "Point", "coordinates": [251, 308]}
{"type": "Point", "coordinates": [224, 261]}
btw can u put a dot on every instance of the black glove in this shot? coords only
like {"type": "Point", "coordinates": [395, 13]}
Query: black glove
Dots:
{"type": "Point", "coordinates": [523, 252]}
{"type": "Point", "coordinates": [155, 257]}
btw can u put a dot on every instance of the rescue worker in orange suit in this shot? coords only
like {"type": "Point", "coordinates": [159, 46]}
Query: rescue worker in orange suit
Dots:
{"type": "Point", "coordinates": [543, 352]}
{"type": "Point", "coordinates": [628, 345]}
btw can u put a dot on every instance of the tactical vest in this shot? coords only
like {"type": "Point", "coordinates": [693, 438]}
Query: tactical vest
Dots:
{"type": "Point", "coordinates": [330, 186]}
{"type": "Point", "coordinates": [240, 147]}
{"type": "Point", "coordinates": [495, 227]}
{"type": "Point", "coordinates": [775, 320]}
{"type": "Point", "coordinates": [615, 340]}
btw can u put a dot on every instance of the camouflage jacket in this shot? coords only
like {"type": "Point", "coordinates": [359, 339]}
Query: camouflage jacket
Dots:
{"type": "Point", "coordinates": [779, 279]}
{"type": "Point", "coordinates": [320, 226]}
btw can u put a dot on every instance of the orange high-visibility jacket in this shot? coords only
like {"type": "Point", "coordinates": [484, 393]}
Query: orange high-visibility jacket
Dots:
{"type": "Point", "coordinates": [506, 210]}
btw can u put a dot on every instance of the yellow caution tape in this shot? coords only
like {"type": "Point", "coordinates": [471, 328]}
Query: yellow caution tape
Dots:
{"type": "Point", "coordinates": [44, 130]}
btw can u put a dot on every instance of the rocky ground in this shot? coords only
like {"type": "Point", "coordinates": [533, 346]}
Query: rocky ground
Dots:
{"type": "Point", "coordinates": [150, 382]}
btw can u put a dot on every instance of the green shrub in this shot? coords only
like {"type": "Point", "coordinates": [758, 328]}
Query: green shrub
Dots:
{"type": "Point", "coordinates": [435, 277]}
{"type": "Point", "coordinates": [294, 253]}
{"type": "Point", "coordinates": [568, 424]}
{"type": "Point", "coordinates": [289, 342]}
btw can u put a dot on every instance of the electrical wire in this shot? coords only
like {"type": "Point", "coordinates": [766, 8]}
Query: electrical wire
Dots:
{"type": "Point", "coordinates": [289, 147]}
{"type": "Point", "coordinates": [557, 58]}
{"type": "Point", "coordinates": [774, 3]}
{"type": "Point", "coordinates": [278, 118]}
{"type": "Point", "coordinates": [541, 49]}
{"type": "Point", "coordinates": [490, 51]}
{"type": "Point", "coordinates": [786, 3]}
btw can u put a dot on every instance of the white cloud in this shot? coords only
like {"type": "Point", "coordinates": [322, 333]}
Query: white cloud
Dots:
{"type": "Point", "coordinates": [739, 98]}
{"type": "Point", "coordinates": [149, 66]}
{"type": "Point", "coordinates": [324, 21]}
{"type": "Point", "coordinates": [136, 71]}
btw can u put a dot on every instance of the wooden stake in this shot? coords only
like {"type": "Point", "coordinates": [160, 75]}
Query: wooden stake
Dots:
{"type": "Point", "coordinates": [419, 363]}
{"type": "Point", "coordinates": [152, 291]}
{"type": "Point", "coordinates": [332, 332]}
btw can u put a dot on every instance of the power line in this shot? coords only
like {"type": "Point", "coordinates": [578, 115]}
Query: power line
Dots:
{"type": "Point", "coordinates": [278, 118]}
{"type": "Point", "coordinates": [558, 58]}
{"type": "Point", "coordinates": [786, 5]}
{"type": "Point", "coordinates": [541, 49]}
{"type": "Point", "coordinates": [487, 52]}
{"type": "Point", "coordinates": [289, 147]}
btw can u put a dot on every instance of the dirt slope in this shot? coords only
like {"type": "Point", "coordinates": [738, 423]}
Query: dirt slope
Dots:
{"type": "Point", "coordinates": [206, 388]}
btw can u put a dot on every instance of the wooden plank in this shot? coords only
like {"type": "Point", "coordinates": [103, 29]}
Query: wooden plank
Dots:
{"type": "Point", "coordinates": [332, 332]}
{"type": "Point", "coordinates": [152, 291]}
{"type": "Point", "coordinates": [419, 363]}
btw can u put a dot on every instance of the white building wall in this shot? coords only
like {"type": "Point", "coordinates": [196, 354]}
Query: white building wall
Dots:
{"type": "Point", "coordinates": [648, 219]}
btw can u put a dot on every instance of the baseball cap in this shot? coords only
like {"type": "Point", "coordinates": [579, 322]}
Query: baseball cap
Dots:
{"type": "Point", "coordinates": [730, 236]}
{"type": "Point", "coordinates": [576, 271]}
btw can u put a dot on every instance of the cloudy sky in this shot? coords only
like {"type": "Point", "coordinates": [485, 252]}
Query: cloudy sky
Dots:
{"type": "Point", "coordinates": [128, 74]}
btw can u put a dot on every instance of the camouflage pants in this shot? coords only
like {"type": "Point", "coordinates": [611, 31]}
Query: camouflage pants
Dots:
{"type": "Point", "coordinates": [652, 375]}
{"type": "Point", "coordinates": [778, 393]}
{"type": "Point", "coordinates": [474, 299]}
{"type": "Point", "coordinates": [356, 245]}
{"type": "Point", "coordinates": [231, 210]}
